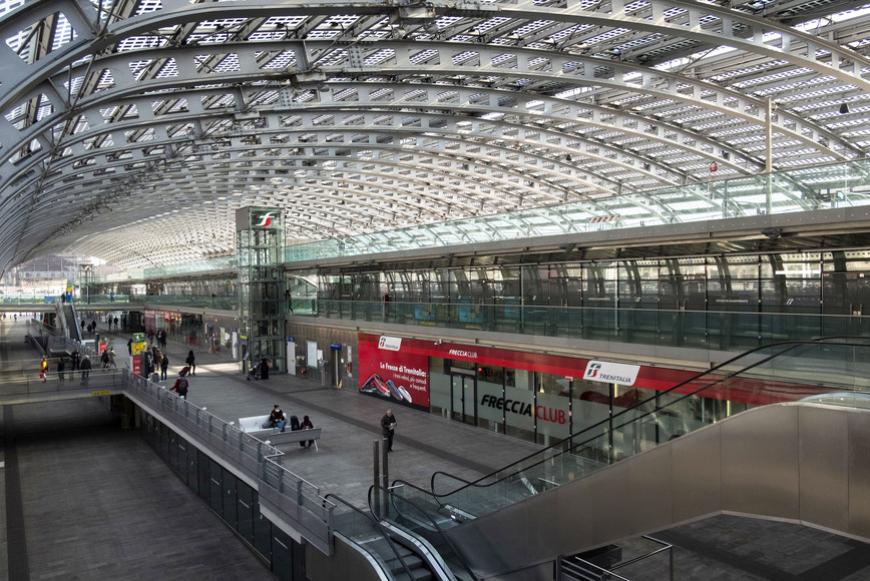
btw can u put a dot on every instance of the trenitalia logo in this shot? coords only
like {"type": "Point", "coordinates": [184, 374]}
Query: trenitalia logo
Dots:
{"type": "Point", "coordinates": [611, 372]}
{"type": "Point", "coordinates": [266, 220]}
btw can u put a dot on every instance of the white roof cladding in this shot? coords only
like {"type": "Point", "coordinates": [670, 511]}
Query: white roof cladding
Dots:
{"type": "Point", "coordinates": [132, 129]}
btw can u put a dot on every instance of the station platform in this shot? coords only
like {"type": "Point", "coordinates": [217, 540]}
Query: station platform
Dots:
{"type": "Point", "coordinates": [351, 422]}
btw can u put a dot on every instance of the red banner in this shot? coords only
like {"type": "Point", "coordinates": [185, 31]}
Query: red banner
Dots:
{"type": "Point", "coordinates": [383, 356]}
{"type": "Point", "coordinates": [137, 365]}
{"type": "Point", "coordinates": [395, 374]}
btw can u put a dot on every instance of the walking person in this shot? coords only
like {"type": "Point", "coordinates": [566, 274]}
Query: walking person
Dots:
{"type": "Point", "coordinates": [85, 367]}
{"type": "Point", "coordinates": [388, 428]}
{"type": "Point", "coordinates": [164, 367]}
{"type": "Point", "coordinates": [43, 368]}
{"type": "Point", "coordinates": [60, 370]}
{"type": "Point", "coordinates": [191, 362]}
{"type": "Point", "coordinates": [130, 346]}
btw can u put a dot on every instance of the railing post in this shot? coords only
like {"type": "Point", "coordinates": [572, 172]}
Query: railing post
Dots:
{"type": "Point", "coordinates": [376, 473]}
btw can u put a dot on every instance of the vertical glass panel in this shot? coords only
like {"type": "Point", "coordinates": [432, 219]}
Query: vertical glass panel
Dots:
{"type": "Point", "coordinates": [519, 404]}
{"type": "Point", "coordinates": [439, 388]}
{"type": "Point", "coordinates": [490, 398]}
{"type": "Point", "coordinates": [551, 409]}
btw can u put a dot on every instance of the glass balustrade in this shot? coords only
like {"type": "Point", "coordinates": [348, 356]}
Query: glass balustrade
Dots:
{"type": "Point", "coordinates": [823, 370]}
{"type": "Point", "coordinates": [681, 328]}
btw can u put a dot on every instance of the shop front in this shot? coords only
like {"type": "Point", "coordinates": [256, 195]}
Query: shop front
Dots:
{"type": "Point", "coordinates": [534, 396]}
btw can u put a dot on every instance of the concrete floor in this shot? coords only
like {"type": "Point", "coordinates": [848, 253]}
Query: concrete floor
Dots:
{"type": "Point", "coordinates": [350, 422]}
{"type": "Point", "coordinates": [99, 504]}
{"type": "Point", "coordinates": [731, 548]}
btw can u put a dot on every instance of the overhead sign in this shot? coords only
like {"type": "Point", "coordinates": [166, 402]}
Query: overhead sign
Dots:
{"type": "Point", "coordinates": [605, 372]}
{"type": "Point", "coordinates": [264, 219]}
{"type": "Point", "coordinates": [390, 343]}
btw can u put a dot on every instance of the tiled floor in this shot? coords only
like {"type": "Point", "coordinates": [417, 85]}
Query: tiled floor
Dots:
{"type": "Point", "coordinates": [99, 504]}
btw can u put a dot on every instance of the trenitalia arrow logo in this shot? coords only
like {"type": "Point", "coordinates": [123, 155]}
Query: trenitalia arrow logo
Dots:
{"type": "Point", "coordinates": [593, 370]}
{"type": "Point", "coordinates": [266, 220]}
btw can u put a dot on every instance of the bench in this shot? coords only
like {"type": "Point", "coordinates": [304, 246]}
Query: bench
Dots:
{"type": "Point", "coordinates": [254, 426]}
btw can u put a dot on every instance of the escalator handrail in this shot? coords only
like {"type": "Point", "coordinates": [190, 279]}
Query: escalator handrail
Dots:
{"type": "Point", "coordinates": [378, 526]}
{"type": "Point", "coordinates": [389, 495]}
{"type": "Point", "coordinates": [561, 444]}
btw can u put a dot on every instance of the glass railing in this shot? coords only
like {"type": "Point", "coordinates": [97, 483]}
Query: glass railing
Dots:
{"type": "Point", "coordinates": [225, 303]}
{"type": "Point", "coordinates": [192, 268]}
{"type": "Point", "coordinates": [289, 495]}
{"type": "Point", "coordinates": [366, 532]}
{"type": "Point", "coordinates": [413, 511]}
{"type": "Point", "coordinates": [818, 187]}
{"type": "Point", "coordinates": [781, 372]}
{"type": "Point", "coordinates": [705, 329]}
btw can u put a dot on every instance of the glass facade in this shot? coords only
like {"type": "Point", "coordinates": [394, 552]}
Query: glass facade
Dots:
{"type": "Point", "coordinates": [730, 302]}
{"type": "Point", "coordinates": [546, 408]}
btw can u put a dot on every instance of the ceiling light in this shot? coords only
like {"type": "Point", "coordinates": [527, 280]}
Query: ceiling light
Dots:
{"type": "Point", "coordinates": [844, 108]}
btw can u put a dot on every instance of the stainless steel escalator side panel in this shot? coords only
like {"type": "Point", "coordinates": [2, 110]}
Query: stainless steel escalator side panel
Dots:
{"type": "Point", "coordinates": [783, 462]}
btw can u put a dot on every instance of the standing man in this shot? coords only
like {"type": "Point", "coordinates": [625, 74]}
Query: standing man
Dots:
{"type": "Point", "coordinates": [388, 428]}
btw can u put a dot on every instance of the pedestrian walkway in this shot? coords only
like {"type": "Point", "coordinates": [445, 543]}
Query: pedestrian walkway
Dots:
{"type": "Point", "coordinates": [424, 443]}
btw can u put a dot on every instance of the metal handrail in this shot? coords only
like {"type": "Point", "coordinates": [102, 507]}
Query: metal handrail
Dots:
{"type": "Point", "coordinates": [519, 305]}
{"type": "Point", "coordinates": [389, 494]}
{"type": "Point", "coordinates": [570, 439]}
{"type": "Point", "coordinates": [378, 527]}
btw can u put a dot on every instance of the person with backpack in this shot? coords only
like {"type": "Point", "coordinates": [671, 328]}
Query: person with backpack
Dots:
{"type": "Point", "coordinates": [164, 367]}
{"type": "Point", "coordinates": [181, 386]}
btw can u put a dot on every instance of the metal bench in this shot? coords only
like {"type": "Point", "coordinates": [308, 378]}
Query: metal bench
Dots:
{"type": "Point", "coordinates": [254, 426]}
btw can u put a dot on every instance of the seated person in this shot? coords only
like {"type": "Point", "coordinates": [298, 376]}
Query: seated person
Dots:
{"type": "Point", "coordinates": [276, 419]}
{"type": "Point", "coordinates": [306, 425]}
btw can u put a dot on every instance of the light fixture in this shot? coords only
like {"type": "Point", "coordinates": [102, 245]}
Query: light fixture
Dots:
{"type": "Point", "coordinates": [844, 108]}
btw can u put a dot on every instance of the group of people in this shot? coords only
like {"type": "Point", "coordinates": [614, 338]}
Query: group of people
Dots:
{"type": "Point", "coordinates": [91, 327]}
{"type": "Point", "coordinates": [78, 362]}
{"type": "Point", "coordinates": [113, 323]}
{"type": "Point", "coordinates": [159, 336]}
{"type": "Point", "coordinates": [278, 420]}
{"type": "Point", "coordinates": [260, 370]}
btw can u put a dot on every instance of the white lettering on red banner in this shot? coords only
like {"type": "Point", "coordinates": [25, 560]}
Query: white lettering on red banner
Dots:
{"type": "Point", "coordinates": [462, 353]}
{"type": "Point", "coordinates": [390, 343]}
{"type": "Point", "coordinates": [605, 372]}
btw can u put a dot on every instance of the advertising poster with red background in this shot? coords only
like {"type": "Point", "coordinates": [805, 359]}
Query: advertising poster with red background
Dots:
{"type": "Point", "coordinates": [389, 371]}
{"type": "Point", "coordinates": [397, 369]}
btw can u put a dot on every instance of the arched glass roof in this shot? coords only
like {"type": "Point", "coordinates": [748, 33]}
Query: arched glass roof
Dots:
{"type": "Point", "coordinates": [132, 129]}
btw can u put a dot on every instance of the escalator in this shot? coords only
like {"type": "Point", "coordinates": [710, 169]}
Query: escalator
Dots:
{"type": "Point", "coordinates": [602, 483]}
{"type": "Point", "coordinates": [391, 551]}
{"type": "Point", "coordinates": [71, 321]}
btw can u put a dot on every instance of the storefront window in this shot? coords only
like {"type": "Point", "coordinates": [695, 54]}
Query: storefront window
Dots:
{"type": "Point", "coordinates": [551, 409]}
{"type": "Point", "coordinates": [519, 404]}
{"type": "Point", "coordinates": [439, 388]}
{"type": "Point", "coordinates": [490, 391]}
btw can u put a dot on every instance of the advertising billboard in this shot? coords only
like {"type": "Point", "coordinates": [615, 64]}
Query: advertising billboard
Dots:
{"type": "Point", "coordinates": [389, 371]}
